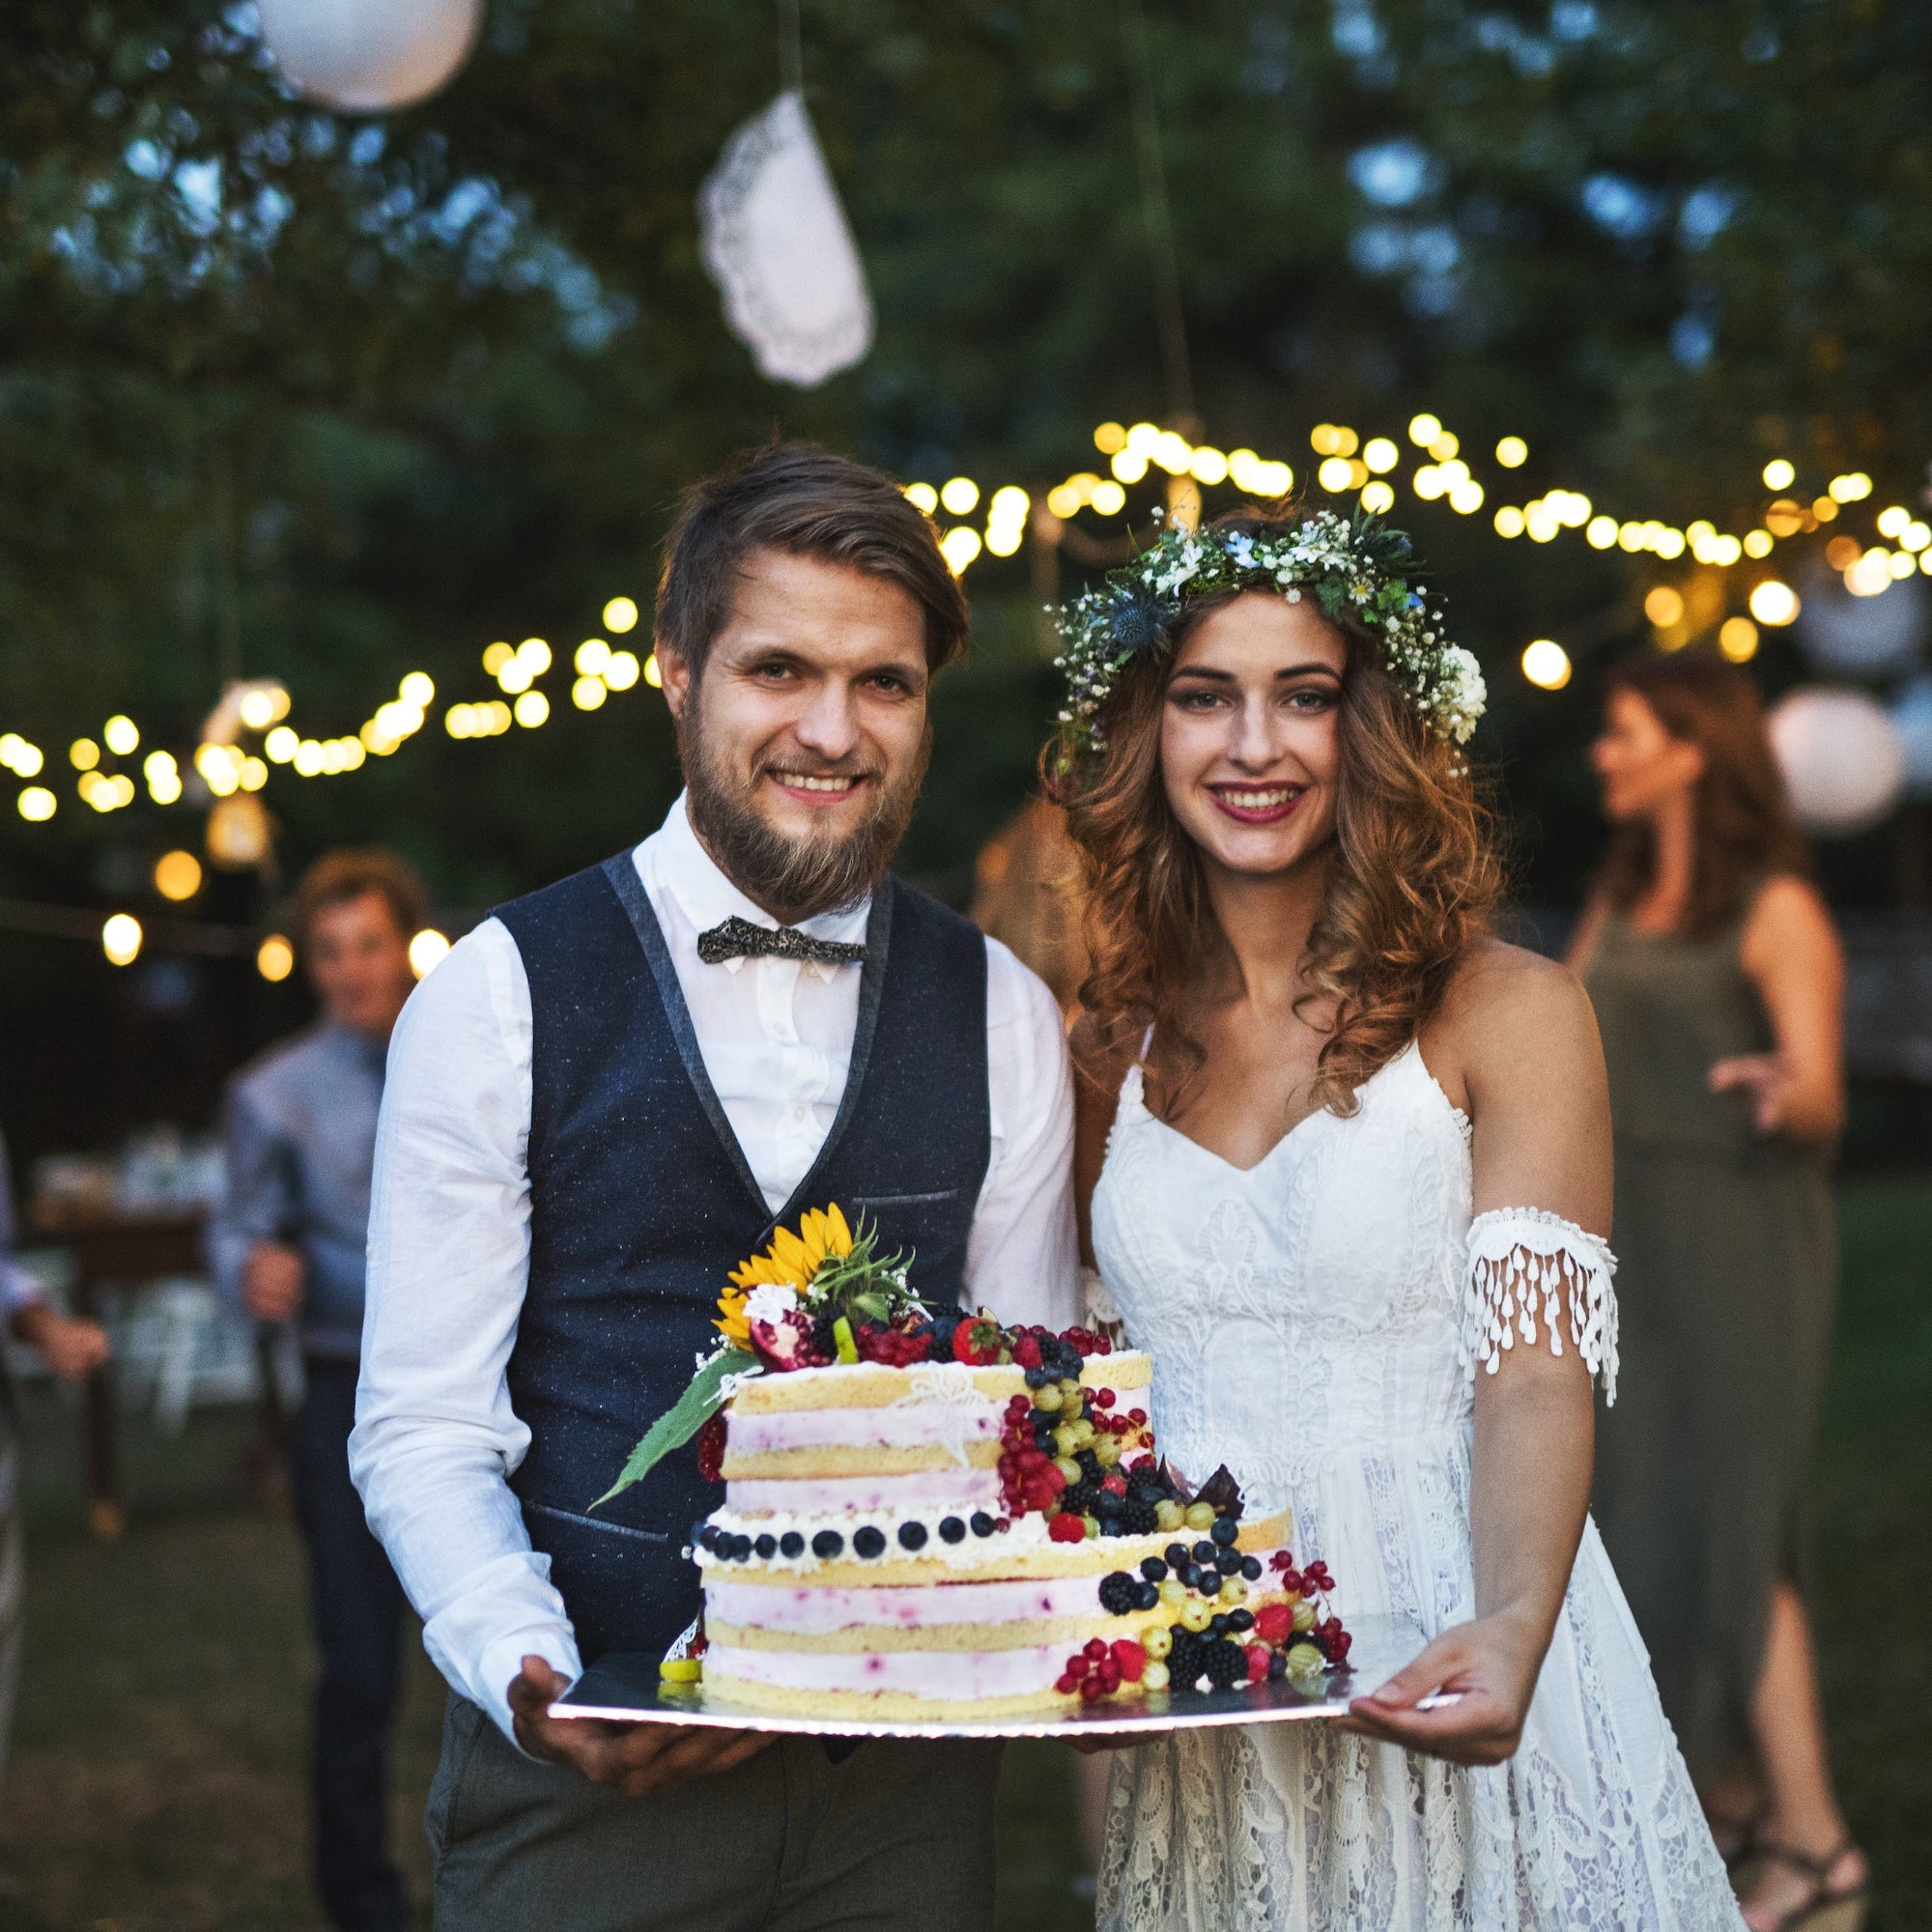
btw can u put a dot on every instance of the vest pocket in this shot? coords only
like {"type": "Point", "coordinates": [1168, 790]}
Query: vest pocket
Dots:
{"type": "Point", "coordinates": [593, 1522]}
{"type": "Point", "coordinates": [861, 1201]}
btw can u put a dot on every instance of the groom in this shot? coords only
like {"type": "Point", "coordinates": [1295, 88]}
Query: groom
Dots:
{"type": "Point", "coordinates": [600, 1101]}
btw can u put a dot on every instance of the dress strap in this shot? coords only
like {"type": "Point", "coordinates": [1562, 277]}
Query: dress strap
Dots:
{"type": "Point", "coordinates": [1521, 1256]}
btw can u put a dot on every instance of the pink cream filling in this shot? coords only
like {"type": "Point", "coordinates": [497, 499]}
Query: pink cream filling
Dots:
{"type": "Point", "coordinates": [916, 1426]}
{"type": "Point", "coordinates": [804, 1608]}
{"type": "Point", "coordinates": [955, 1676]}
{"type": "Point", "coordinates": [963, 1490]}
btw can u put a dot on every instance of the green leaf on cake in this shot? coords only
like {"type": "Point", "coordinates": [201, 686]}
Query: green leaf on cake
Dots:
{"type": "Point", "coordinates": [679, 1424]}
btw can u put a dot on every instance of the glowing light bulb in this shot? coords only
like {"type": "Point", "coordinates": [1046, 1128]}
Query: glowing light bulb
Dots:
{"type": "Point", "coordinates": [1380, 454]}
{"type": "Point", "coordinates": [1423, 430]}
{"type": "Point", "coordinates": [1110, 437]}
{"type": "Point", "coordinates": [417, 689]}
{"type": "Point", "coordinates": [36, 805]}
{"type": "Point", "coordinates": [121, 939]}
{"type": "Point", "coordinates": [959, 495]}
{"type": "Point", "coordinates": [1779, 473]}
{"type": "Point", "coordinates": [275, 958]}
{"type": "Point", "coordinates": [621, 672]}
{"type": "Point", "coordinates": [588, 693]}
{"type": "Point", "coordinates": [1512, 452]}
{"type": "Point", "coordinates": [531, 709]}
{"type": "Point", "coordinates": [427, 951]}
{"type": "Point", "coordinates": [1737, 638]}
{"type": "Point", "coordinates": [1546, 664]}
{"type": "Point", "coordinates": [621, 614]}
{"type": "Point", "coordinates": [1774, 602]}
{"type": "Point", "coordinates": [177, 875]}
{"type": "Point", "coordinates": [1664, 607]}
{"type": "Point", "coordinates": [121, 735]}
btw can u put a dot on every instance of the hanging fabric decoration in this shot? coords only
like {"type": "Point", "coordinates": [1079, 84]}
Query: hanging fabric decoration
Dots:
{"type": "Point", "coordinates": [777, 243]}
{"type": "Point", "coordinates": [367, 56]}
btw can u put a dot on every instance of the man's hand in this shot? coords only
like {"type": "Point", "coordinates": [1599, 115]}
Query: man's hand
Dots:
{"type": "Point", "coordinates": [1492, 1666]}
{"type": "Point", "coordinates": [272, 1281]}
{"type": "Point", "coordinates": [631, 1758]}
{"type": "Point", "coordinates": [72, 1350]}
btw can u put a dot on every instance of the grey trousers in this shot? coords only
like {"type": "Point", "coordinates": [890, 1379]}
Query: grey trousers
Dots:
{"type": "Point", "coordinates": [897, 1837]}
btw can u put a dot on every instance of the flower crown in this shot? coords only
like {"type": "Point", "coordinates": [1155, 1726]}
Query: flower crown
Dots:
{"type": "Point", "coordinates": [1351, 565]}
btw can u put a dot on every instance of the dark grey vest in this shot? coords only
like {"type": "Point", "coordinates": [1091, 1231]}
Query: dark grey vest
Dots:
{"type": "Point", "coordinates": [641, 1204]}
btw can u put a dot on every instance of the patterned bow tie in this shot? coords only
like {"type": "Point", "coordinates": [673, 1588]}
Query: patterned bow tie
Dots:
{"type": "Point", "coordinates": [739, 938]}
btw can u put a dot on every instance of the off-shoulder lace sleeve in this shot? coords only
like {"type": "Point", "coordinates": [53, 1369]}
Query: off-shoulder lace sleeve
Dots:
{"type": "Point", "coordinates": [1522, 1261]}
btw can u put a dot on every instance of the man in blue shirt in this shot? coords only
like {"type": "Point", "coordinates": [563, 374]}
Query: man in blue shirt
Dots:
{"type": "Point", "coordinates": [289, 1245]}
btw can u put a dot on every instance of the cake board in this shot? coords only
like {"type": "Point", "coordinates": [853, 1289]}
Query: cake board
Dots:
{"type": "Point", "coordinates": [624, 1687]}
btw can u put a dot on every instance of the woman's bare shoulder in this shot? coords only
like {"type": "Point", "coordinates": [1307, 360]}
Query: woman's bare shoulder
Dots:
{"type": "Point", "coordinates": [1506, 1004]}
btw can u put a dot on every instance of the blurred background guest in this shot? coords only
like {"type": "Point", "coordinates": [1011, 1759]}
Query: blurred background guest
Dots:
{"type": "Point", "coordinates": [300, 1131]}
{"type": "Point", "coordinates": [1718, 980]}
{"type": "Point", "coordinates": [73, 1351]}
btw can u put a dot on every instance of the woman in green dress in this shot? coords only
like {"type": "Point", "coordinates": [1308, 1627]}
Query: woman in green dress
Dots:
{"type": "Point", "coordinates": [1718, 982]}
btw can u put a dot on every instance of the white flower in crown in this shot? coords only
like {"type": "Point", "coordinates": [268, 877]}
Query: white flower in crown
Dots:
{"type": "Point", "coordinates": [1463, 697]}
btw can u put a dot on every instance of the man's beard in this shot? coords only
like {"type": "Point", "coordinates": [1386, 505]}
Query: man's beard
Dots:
{"type": "Point", "coordinates": [793, 879]}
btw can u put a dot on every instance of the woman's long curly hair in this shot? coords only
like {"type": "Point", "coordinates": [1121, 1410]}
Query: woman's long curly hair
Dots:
{"type": "Point", "coordinates": [1412, 880]}
{"type": "Point", "coordinates": [1745, 832]}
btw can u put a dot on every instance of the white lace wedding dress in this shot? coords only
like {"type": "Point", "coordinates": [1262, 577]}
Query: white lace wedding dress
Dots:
{"type": "Point", "coordinates": [1314, 1323]}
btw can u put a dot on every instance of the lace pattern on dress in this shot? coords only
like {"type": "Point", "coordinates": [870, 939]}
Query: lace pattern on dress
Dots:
{"type": "Point", "coordinates": [1521, 1256]}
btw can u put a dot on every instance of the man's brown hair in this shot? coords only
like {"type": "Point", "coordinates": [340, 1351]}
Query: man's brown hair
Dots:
{"type": "Point", "coordinates": [338, 877]}
{"type": "Point", "coordinates": [803, 502]}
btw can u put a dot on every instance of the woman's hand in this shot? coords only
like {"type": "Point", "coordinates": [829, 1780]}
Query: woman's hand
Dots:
{"type": "Point", "coordinates": [1774, 1088]}
{"type": "Point", "coordinates": [1491, 1666]}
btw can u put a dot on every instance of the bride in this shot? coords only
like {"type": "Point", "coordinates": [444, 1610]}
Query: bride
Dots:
{"type": "Point", "coordinates": [1356, 1182]}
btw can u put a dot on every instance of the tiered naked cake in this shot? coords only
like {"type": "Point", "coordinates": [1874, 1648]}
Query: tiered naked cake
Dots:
{"type": "Point", "coordinates": [953, 1518]}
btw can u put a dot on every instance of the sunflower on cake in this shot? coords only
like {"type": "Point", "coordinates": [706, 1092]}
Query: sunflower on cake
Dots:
{"type": "Point", "coordinates": [930, 1515]}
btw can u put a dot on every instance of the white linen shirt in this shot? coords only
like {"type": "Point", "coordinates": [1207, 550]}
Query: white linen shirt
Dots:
{"type": "Point", "coordinates": [435, 1437]}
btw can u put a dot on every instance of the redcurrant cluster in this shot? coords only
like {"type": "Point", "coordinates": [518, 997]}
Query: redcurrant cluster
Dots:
{"type": "Point", "coordinates": [1101, 1668]}
{"type": "Point", "coordinates": [1307, 1590]}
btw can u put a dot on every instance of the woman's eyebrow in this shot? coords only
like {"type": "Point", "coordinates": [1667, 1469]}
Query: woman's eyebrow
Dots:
{"type": "Point", "coordinates": [1213, 676]}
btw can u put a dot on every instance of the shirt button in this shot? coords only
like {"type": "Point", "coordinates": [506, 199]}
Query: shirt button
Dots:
{"type": "Point", "coordinates": [798, 1113]}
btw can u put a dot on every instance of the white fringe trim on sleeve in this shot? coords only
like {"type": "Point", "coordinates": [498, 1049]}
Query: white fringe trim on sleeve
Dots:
{"type": "Point", "coordinates": [1519, 1256]}
{"type": "Point", "coordinates": [1097, 1301]}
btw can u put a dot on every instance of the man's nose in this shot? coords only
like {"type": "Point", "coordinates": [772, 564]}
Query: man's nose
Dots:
{"type": "Point", "coordinates": [828, 726]}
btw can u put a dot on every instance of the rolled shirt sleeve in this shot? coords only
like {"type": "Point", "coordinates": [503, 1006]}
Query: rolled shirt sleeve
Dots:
{"type": "Point", "coordinates": [257, 1202]}
{"type": "Point", "coordinates": [435, 1437]}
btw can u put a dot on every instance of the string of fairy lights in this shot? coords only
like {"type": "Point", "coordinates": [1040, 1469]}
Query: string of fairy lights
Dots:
{"type": "Point", "coordinates": [249, 735]}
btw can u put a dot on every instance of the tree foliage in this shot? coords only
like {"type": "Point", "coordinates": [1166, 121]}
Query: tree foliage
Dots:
{"type": "Point", "coordinates": [283, 390]}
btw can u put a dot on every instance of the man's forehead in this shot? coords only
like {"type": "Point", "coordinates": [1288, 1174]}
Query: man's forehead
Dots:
{"type": "Point", "coordinates": [821, 611]}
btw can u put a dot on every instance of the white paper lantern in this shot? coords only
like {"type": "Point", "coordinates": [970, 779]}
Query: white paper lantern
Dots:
{"type": "Point", "coordinates": [777, 243]}
{"type": "Point", "coordinates": [1862, 637]}
{"type": "Point", "coordinates": [365, 56]}
{"type": "Point", "coordinates": [1842, 759]}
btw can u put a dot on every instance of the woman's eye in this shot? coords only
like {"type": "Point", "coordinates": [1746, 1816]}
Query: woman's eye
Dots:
{"type": "Point", "coordinates": [1197, 700]}
{"type": "Point", "coordinates": [1311, 698]}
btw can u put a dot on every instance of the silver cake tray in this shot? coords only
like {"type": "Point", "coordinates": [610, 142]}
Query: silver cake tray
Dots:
{"type": "Point", "coordinates": [624, 1687]}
